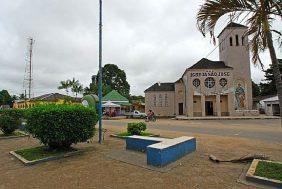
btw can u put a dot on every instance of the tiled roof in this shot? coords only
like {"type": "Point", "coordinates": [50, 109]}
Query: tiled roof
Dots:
{"type": "Point", "coordinates": [233, 25]}
{"type": "Point", "coordinates": [209, 64]}
{"type": "Point", "coordinates": [53, 97]}
{"type": "Point", "coordinates": [161, 87]}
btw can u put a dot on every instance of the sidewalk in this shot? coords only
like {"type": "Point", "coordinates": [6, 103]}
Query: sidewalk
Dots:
{"type": "Point", "coordinates": [225, 117]}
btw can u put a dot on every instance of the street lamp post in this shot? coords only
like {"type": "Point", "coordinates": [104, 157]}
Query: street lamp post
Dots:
{"type": "Point", "coordinates": [100, 73]}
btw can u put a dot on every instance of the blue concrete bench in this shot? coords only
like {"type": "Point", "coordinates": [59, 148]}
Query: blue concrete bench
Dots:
{"type": "Point", "coordinates": [140, 143]}
{"type": "Point", "coordinates": [165, 152]}
{"type": "Point", "coordinates": [161, 151]}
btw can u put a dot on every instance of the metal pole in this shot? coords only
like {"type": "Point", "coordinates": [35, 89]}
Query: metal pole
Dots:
{"type": "Point", "coordinates": [100, 73]}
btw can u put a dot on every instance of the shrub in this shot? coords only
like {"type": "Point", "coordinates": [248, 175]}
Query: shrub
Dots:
{"type": "Point", "coordinates": [59, 126]}
{"type": "Point", "coordinates": [10, 120]}
{"type": "Point", "coordinates": [9, 124]}
{"type": "Point", "coordinates": [15, 113]}
{"type": "Point", "coordinates": [136, 128]}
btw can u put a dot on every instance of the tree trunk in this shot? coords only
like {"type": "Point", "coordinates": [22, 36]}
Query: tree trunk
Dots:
{"type": "Point", "coordinates": [276, 70]}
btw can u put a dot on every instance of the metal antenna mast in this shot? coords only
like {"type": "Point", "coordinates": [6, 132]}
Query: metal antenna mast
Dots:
{"type": "Point", "coordinates": [29, 68]}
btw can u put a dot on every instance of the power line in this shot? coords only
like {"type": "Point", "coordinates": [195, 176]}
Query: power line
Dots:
{"type": "Point", "coordinates": [227, 35]}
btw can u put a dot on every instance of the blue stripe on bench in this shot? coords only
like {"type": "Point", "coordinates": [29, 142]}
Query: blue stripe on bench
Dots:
{"type": "Point", "coordinates": [161, 156]}
{"type": "Point", "coordinates": [140, 143]}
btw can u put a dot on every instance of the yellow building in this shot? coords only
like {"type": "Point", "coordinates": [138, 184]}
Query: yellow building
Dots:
{"type": "Point", "coordinates": [46, 99]}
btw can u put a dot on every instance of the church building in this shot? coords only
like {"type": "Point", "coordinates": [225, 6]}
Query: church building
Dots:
{"type": "Point", "coordinates": [210, 88]}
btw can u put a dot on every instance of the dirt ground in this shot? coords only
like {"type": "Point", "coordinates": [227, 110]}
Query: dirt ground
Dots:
{"type": "Point", "coordinates": [94, 169]}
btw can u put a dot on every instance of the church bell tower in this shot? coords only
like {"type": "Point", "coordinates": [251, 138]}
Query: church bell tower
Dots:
{"type": "Point", "coordinates": [234, 52]}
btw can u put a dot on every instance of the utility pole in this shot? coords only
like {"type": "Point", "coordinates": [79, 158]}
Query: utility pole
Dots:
{"type": "Point", "coordinates": [100, 73]}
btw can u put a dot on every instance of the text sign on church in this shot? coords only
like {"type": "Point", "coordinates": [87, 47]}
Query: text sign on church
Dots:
{"type": "Point", "coordinates": [210, 74]}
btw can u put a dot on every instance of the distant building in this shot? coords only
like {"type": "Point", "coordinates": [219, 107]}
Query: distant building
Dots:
{"type": "Point", "coordinates": [114, 101]}
{"type": "Point", "coordinates": [210, 88]}
{"type": "Point", "coordinates": [46, 99]}
{"type": "Point", "coordinates": [271, 106]}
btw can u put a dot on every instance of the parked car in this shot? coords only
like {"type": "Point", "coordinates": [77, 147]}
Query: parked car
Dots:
{"type": "Point", "coordinates": [135, 114]}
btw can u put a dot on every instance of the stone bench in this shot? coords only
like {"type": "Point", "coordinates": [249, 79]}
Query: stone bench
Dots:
{"type": "Point", "coordinates": [161, 151]}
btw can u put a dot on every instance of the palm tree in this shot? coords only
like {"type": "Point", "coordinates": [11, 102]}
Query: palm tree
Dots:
{"type": "Point", "coordinates": [65, 85]}
{"type": "Point", "coordinates": [261, 14]}
{"type": "Point", "coordinates": [77, 88]}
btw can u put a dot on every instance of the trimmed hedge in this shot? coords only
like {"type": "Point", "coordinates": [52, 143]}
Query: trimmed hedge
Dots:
{"type": "Point", "coordinates": [136, 128]}
{"type": "Point", "coordinates": [10, 120]}
{"type": "Point", "coordinates": [59, 126]}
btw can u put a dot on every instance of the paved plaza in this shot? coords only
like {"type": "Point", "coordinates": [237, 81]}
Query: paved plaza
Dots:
{"type": "Point", "coordinates": [96, 169]}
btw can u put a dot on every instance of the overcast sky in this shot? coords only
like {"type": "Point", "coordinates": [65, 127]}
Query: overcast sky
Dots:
{"type": "Point", "coordinates": [151, 40]}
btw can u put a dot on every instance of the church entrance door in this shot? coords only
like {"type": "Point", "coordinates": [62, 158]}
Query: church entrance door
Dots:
{"type": "Point", "coordinates": [209, 108]}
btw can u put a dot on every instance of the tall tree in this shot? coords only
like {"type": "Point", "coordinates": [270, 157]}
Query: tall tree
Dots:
{"type": "Point", "coordinates": [268, 87]}
{"type": "Point", "coordinates": [6, 98]}
{"type": "Point", "coordinates": [261, 15]}
{"type": "Point", "coordinates": [256, 89]}
{"type": "Point", "coordinates": [65, 85]}
{"type": "Point", "coordinates": [77, 88]}
{"type": "Point", "coordinates": [113, 79]}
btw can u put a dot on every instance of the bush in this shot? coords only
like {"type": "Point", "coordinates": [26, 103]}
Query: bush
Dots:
{"type": "Point", "coordinates": [10, 120]}
{"type": "Point", "coordinates": [8, 124]}
{"type": "Point", "coordinates": [59, 126]}
{"type": "Point", "coordinates": [136, 128]}
{"type": "Point", "coordinates": [15, 113]}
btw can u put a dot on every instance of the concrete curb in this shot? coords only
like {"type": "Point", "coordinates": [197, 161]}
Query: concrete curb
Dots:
{"type": "Point", "coordinates": [124, 137]}
{"type": "Point", "coordinates": [250, 176]}
{"type": "Point", "coordinates": [11, 137]}
{"type": "Point", "coordinates": [33, 162]}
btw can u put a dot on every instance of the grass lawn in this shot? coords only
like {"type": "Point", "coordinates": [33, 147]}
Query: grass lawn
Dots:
{"type": "Point", "coordinates": [128, 134]}
{"type": "Point", "coordinates": [41, 152]}
{"type": "Point", "coordinates": [16, 133]}
{"type": "Point", "coordinates": [269, 170]}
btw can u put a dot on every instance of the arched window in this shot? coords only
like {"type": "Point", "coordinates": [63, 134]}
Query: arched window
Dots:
{"type": "Point", "coordinates": [237, 40]}
{"type": "Point", "coordinates": [231, 42]}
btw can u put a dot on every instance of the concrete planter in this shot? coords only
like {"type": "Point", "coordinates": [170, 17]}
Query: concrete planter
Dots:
{"type": "Point", "coordinates": [27, 162]}
{"type": "Point", "coordinates": [261, 180]}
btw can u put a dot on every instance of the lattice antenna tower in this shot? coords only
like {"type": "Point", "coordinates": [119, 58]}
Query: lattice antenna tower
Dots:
{"type": "Point", "coordinates": [28, 78]}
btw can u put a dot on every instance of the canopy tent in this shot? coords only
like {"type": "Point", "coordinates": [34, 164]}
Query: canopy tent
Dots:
{"type": "Point", "coordinates": [109, 104]}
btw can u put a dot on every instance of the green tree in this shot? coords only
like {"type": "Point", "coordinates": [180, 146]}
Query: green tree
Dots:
{"type": "Point", "coordinates": [77, 88]}
{"type": "Point", "coordinates": [256, 89]}
{"type": "Point", "coordinates": [261, 15]}
{"type": "Point", "coordinates": [269, 86]}
{"type": "Point", "coordinates": [65, 85]}
{"type": "Point", "coordinates": [5, 98]}
{"type": "Point", "coordinates": [113, 79]}
{"type": "Point", "coordinates": [139, 98]}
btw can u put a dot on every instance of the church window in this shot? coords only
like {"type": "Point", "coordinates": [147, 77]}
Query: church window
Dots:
{"type": "Point", "coordinates": [196, 82]}
{"type": "Point", "coordinates": [155, 100]}
{"type": "Point", "coordinates": [209, 82]}
{"type": "Point", "coordinates": [160, 100]}
{"type": "Point", "coordinates": [237, 40]}
{"type": "Point", "coordinates": [166, 100]}
{"type": "Point", "coordinates": [231, 42]}
{"type": "Point", "coordinates": [223, 82]}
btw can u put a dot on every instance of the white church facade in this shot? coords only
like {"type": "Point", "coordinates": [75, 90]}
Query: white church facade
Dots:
{"type": "Point", "coordinates": [210, 88]}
